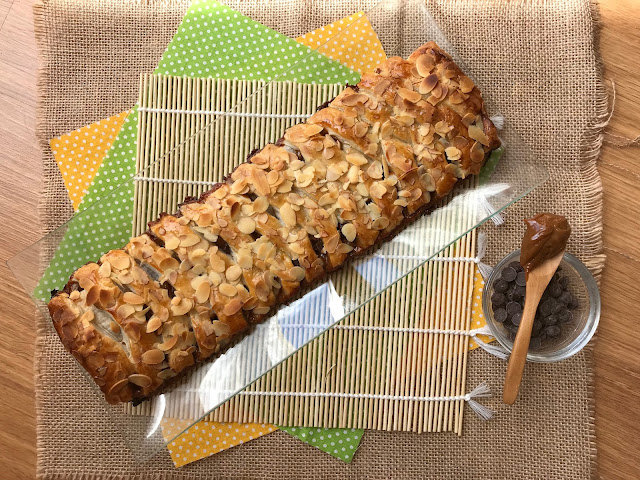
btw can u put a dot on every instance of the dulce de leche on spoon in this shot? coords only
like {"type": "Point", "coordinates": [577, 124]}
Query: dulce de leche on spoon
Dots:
{"type": "Point", "coordinates": [543, 247]}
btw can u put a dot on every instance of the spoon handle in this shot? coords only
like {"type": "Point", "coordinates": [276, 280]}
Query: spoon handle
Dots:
{"type": "Point", "coordinates": [518, 356]}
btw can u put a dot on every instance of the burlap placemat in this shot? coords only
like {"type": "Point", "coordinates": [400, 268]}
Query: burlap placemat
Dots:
{"type": "Point", "coordinates": [537, 62]}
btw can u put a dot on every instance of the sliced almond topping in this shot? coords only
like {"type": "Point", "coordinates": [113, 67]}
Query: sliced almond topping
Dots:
{"type": "Point", "coordinates": [261, 204]}
{"type": "Point", "coordinates": [105, 269]}
{"type": "Point", "coordinates": [285, 187]}
{"type": "Point", "coordinates": [153, 356]}
{"type": "Point", "coordinates": [377, 190]}
{"type": "Point", "coordinates": [312, 129]}
{"type": "Point", "coordinates": [453, 153]}
{"type": "Point", "coordinates": [296, 135]}
{"type": "Point", "coordinates": [353, 99]}
{"type": "Point", "coordinates": [344, 248]}
{"type": "Point", "coordinates": [477, 153]}
{"type": "Point", "coordinates": [171, 242]}
{"type": "Point", "coordinates": [189, 240]}
{"type": "Point", "coordinates": [140, 380]}
{"type": "Point", "coordinates": [125, 311]}
{"type": "Point", "coordinates": [228, 289]}
{"type": "Point", "coordinates": [120, 261]}
{"type": "Point", "coordinates": [375, 170]}
{"type": "Point", "coordinates": [468, 119]}
{"type": "Point", "coordinates": [380, 223]}
{"type": "Point", "coordinates": [409, 95]}
{"type": "Point", "coordinates": [168, 344]}
{"type": "Point", "coordinates": [424, 65]}
{"type": "Point", "coordinates": [119, 385]}
{"type": "Point", "coordinates": [247, 225]}
{"type": "Point", "coordinates": [95, 360]}
{"type": "Point", "coordinates": [169, 264]}
{"type": "Point", "coordinates": [202, 292]}
{"type": "Point", "coordinates": [217, 263]}
{"type": "Point", "coordinates": [428, 182]}
{"type": "Point", "coordinates": [466, 84]}
{"type": "Point", "coordinates": [260, 182]}
{"type": "Point", "coordinates": [428, 84]}
{"type": "Point", "coordinates": [273, 177]}
{"type": "Point", "coordinates": [477, 134]}
{"type": "Point", "coordinates": [75, 295]}
{"type": "Point", "coordinates": [288, 215]}
{"type": "Point", "coordinates": [233, 272]}
{"type": "Point", "coordinates": [132, 298]}
{"type": "Point", "coordinates": [360, 129]}
{"type": "Point", "coordinates": [356, 159]}
{"type": "Point", "coordinates": [154, 324]}
{"type": "Point", "coordinates": [380, 87]}
{"type": "Point", "coordinates": [183, 307]}
{"type": "Point", "coordinates": [362, 189]}
{"type": "Point", "coordinates": [261, 310]}
{"type": "Point", "coordinates": [220, 328]}
{"type": "Point", "coordinates": [232, 307]}
{"type": "Point", "coordinates": [93, 294]}
{"type": "Point", "coordinates": [297, 272]}
{"type": "Point", "coordinates": [349, 232]}
{"type": "Point", "coordinates": [332, 243]}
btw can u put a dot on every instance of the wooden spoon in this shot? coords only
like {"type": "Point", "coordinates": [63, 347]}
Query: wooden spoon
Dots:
{"type": "Point", "coordinates": [537, 281]}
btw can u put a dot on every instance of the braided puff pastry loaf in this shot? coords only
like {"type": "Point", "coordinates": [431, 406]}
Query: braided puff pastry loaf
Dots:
{"type": "Point", "coordinates": [375, 157]}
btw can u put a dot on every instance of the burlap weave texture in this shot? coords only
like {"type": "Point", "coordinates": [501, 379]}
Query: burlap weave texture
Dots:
{"type": "Point", "coordinates": [537, 65]}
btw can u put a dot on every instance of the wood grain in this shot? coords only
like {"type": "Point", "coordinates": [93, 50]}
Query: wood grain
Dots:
{"type": "Point", "coordinates": [618, 346]}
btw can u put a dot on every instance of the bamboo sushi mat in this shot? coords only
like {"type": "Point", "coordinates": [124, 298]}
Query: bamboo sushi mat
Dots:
{"type": "Point", "coordinates": [378, 369]}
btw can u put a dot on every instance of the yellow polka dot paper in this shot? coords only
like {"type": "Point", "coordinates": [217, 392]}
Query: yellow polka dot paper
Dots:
{"type": "Point", "coordinates": [80, 153]}
{"type": "Point", "coordinates": [477, 317]}
{"type": "Point", "coordinates": [207, 438]}
{"type": "Point", "coordinates": [350, 41]}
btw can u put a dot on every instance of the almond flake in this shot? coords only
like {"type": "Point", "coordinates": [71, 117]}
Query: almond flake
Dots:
{"type": "Point", "coordinates": [478, 134]}
{"type": "Point", "coordinates": [154, 324]}
{"type": "Point", "coordinates": [217, 263]}
{"type": "Point", "coordinates": [466, 84]}
{"type": "Point", "coordinates": [153, 357]}
{"type": "Point", "coordinates": [375, 170]}
{"type": "Point", "coordinates": [105, 269]}
{"type": "Point", "coordinates": [409, 95]}
{"type": "Point", "coordinates": [202, 292]}
{"type": "Point", "coordinates": [288, 215]}
{"type": "Point", "coordinates": [233, 272]}
{"type": "Point", "coordinates": [428, 84]}
{"type": "Point", "coordinates": [132, 298]}
{"type": "Point", "coordinates": [189, 240]}
{"type": "Point", "coordinates": [232, 307]}
{"type": "Point", "coordinates": [453, 153]}
{"type": "Point", "coordinates": [312, 129]}
{"type": "Point", "coordinates": [247, 225]}
{"type": "Point", "coordinates": [424, 65]}
{"type": "Point", "coordinates": [119, 262]}
{"type": "Point", "coordinates": [349, 232]}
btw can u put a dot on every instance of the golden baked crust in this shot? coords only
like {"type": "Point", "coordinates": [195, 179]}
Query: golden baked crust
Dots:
{"type": "Point", "coordinates": [376, 156]}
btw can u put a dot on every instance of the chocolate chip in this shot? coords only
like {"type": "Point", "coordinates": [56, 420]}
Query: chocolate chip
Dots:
{"type": "Point", "coordinates": [564, 282]}
{"type": "Point", "coordinates": [537, 328]}
{"type": "Point", "coordinates": [564, 316]}
{"type": "Point", "coordinates": [500, 315]}
{"type": "Point", "coordinates": [521, 279]}
{"type": "Point", "coordinates": [573, 302]}
{"type": "Point", "coordinates": [554, 289]}
{"type": "Point", "coordinates": [548, 307]}
{"type": "Point", "coordinates": [564, 298]}
{"type": "Point", "coordinates": [517, 317]}
{"type": "Point", "coordinates": [521, 290]}
{"type": "Point", "coordinates": [511, 327]}
{"type": "Point", "coordinates": [516, 266]}
{"type": "Point", "coordinates": [513, 308]}
{"type": "Point", "coordinates": [509, 274]}
{"type": "Point", "coordinates": [514, 295]}
{"type": "Point", "coordinates": [501, 286]}
{"type": "Point", "coordinates": [550, 320]}
{"type": "Point", "coordinates": [498, 299]}
{"type": "Point", "coordinates": [534, 343]}
{"type": "Point", "coordinates": [552, 331]}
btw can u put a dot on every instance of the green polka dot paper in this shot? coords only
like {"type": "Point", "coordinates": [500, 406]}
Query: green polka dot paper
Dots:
{"type": "Point", "coordinates": [212, 41]}
{"type": "Point", "coordinates": [341, 443]}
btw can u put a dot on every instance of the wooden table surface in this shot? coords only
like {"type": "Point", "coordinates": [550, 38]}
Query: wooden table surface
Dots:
{"type": "Point", "coordinates": [618, 344]}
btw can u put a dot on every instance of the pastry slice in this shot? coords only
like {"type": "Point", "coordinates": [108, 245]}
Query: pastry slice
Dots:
{"type": "Point", "coordinates": [362, 167]}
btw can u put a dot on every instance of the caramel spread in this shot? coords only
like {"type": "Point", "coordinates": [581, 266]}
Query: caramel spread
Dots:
{"type": "Point", "coordinates": [546, 236]}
